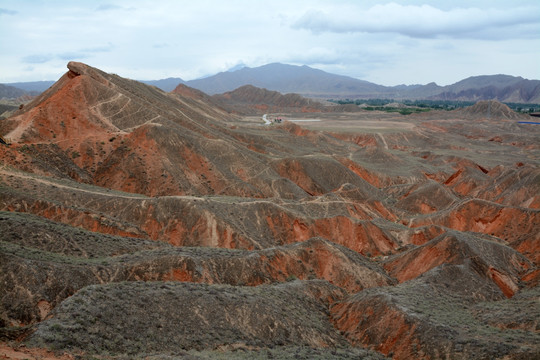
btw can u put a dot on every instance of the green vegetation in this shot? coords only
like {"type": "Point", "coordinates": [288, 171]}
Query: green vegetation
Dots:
{"type": "Point", "coordinates": [426, 105]}
{"type": "Point", "coordinates": [402, 111]}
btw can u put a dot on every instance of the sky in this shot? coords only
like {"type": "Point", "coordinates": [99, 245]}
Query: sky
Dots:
{"type": "Point", "coordinates": [385, 42]}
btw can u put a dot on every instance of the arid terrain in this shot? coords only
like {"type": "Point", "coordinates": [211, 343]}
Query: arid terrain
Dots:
{"type": "Point", "coordinates": [136, 223]}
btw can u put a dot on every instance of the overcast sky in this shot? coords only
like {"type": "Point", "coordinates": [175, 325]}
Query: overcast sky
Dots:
{"type": "Point", "coordinates": [389, 43]}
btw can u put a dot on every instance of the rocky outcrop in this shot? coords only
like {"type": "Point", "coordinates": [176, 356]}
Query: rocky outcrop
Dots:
{"type": "Point", "coordinates": [498, 262]}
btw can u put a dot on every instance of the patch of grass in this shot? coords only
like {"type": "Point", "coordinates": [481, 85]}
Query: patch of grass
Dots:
{"type": "Point", "coordinates": [135, 317]}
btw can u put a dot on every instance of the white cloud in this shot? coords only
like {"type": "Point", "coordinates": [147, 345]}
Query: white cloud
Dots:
{"type": "Point", "coordinates": [389, 43]}
{"type": "Point", "coordinates": [107, 7]}
{"type": "Point", "coordinates": [37, 58]}
{"type": "Point", "coordinates": [424, 21]}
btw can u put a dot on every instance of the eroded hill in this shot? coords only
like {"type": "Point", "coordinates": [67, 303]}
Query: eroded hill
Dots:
{"type": "Point", "coordinates": [248, 100]}
{"type": "Point", "coordinates": [150, 216]}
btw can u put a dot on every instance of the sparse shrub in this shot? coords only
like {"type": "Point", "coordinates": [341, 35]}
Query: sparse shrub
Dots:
{"type": "Point", "coordinates": [291, 277]}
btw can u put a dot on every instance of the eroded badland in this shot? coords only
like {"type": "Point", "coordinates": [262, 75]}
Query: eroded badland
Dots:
{"type": "Point", "coordinates": [142, 224]}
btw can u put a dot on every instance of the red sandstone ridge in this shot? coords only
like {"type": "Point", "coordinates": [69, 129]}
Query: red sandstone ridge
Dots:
{"type": "Point", "coordinates": [188, 92]}
{"type": "Point", "coordinates": [427, 198]}
{"type": "Point", "coordinates": [313, 259]}
{"type": "Point", "coordinates": [508, 223]}
{"type": "Point", "coordinates": [497, 262]}
{"type": "Point", "coordinates": [407, 321]}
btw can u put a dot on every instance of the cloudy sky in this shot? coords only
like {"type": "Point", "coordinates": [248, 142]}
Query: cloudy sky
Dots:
{"type": "Point", "coordinates": [389, 43]}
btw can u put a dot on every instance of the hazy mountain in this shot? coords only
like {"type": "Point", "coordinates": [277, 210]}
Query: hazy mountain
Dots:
{"type": "Point", "coordinates": [494, 87]}
{"type": "Point", "coordinates": [10, 92]}
{"type": "Point", "coordinates": [418, 92]}
{"type": "Point", "coordinates": [310, 82]}
{"type": "Point", "coordinates": [168, 84]}
{"type": "Point", "coordinates": [237, 67]}
{"type": "Point", "coordinates": [483, 81]}
{"type": "Point", "coordinates": [33, 86]}
{"type": "Point", "coordinates": [287, 79]}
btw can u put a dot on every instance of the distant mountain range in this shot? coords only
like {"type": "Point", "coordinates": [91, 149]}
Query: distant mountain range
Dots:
{"type": "Point", "coordinates": [32, 86]}
{"type": "Point", "coordinates": [311, 82]}
{"type": "Point", "coordinates": [316, 83]}
{"type": "Point", "coordinates": [302, 80]}
{"type": "Point", "coordinates": [167, 85]}
{"type": "Point", "coordinates": [12, 92]}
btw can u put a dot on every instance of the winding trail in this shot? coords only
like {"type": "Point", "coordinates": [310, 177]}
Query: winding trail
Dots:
{"type": "Point", "coordinates": [105, 192]}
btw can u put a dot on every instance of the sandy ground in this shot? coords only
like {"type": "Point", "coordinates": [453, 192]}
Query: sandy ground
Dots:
{"type": "Point", "coordinates": [372, 121]}
{"type": "Point", "coordinates": [352, 122]}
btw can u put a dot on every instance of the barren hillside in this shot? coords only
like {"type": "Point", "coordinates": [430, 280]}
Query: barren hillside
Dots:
{"type": "Point", "coordinates": [142, 224]}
